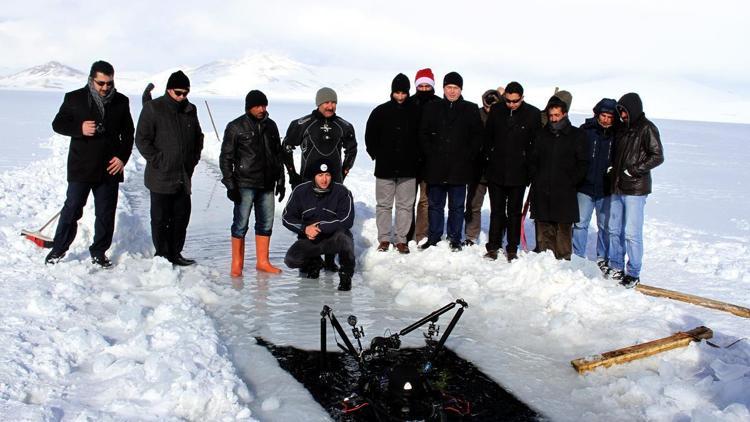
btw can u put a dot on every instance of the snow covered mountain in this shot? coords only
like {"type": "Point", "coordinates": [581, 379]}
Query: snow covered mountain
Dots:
{"type": "Point", "coordinates": [51, 75]}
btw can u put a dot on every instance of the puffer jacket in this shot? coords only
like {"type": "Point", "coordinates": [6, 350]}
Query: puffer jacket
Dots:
{"type": "Point", "coordinates": [169, 137]}
{"type": "Point", "coordinates": [251, 154]}
{"type": "Point", "coordinates": [638, 150]}
{"type": "Point", "coordinates": [334, 210]}
{"type": "Point", "coordinates": [599, 145]}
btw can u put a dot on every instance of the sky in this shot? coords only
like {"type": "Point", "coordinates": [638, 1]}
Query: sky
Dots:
{"type": "Point", "coordinates": [572, 39]}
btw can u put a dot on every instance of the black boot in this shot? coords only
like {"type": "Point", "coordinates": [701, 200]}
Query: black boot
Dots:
{"type": "Point", "coordinates": [330, 263]}
{"type": "Point", "coordinates": [345, 281]}
{"type": "Point", "coordinates": [311, 269]}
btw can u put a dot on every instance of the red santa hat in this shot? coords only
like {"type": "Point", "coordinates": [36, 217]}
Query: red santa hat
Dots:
{"type": "Point", "coordinates": [424, 76]}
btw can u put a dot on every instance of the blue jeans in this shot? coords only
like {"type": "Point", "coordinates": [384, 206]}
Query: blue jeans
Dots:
{"type": "Point", "coordinates": [586, 206]}
{"type": "Point", "coordinates": [436, 195]}
{"type": "Point", "coordinates": [626, 227]}
{"type": "Point", "coordinates": [262, 199]}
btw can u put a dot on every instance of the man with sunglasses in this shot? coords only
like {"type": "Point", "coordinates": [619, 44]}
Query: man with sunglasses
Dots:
{"type": "Point", "coordinates": [170, 139]}
{"type": "Point", "coordinates": [509, 135]}
{"type": "Point", "coordinates": [477, 190]}
{"type": "Point", "coordinates": [97, 119]}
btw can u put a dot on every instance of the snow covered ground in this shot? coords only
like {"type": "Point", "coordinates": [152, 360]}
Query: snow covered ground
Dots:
{"type": "Point", "coordinates": [145, 341]}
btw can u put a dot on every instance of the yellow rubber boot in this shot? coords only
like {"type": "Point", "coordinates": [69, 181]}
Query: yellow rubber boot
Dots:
{"type": "Point", "coordinates": [238, 256]}
{"type": "Point", "coordinates": [261, 255]}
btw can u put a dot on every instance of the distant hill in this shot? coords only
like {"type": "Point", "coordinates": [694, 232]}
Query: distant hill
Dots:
{"type": "Point", "coordinates": [51, 75]}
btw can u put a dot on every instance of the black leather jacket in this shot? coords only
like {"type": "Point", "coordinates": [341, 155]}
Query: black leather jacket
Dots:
{"type": "Point", "coordinates": [251, 154]}
{"type": "Point", "coordinates": [638, 149]}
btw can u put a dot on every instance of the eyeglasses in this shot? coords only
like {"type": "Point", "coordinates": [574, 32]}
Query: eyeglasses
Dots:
{"type": "Point", "coordinates": [507, 101]}
{"type": "Point", "coordinates": [180, 92]}
{"type": "Point", "coordinates": [102, 83]}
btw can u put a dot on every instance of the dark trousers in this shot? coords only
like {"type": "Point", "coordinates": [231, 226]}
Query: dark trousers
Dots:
{"type": "Point", "coordinates": [555, 237]}
{"type": "Point", "coordinates": [340, 242]}
{"type": "Point", "coordinates": [436, 195]}
{"type": "Point", "coordinates": [170, 215]}
{"type": "Point", "coordinates": [105, 205]}
{"type": "Point", "coordinates": [506, 203]}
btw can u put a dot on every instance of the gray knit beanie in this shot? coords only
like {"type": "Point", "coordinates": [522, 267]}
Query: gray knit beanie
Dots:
{"type": "Point", "coordinates": [325, 95]}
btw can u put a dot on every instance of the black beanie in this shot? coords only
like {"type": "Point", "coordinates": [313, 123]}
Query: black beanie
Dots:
{"type": "Point", "coordinates": [400, 83]}
{"type": "Point", "coordinates": [255, 98]}
{"type": "Point", "coordinates": [178, 80]}
{"type": "Point", "coordinates": [453, 78]}
{"type": "Point", "coordinates": [321, 165]}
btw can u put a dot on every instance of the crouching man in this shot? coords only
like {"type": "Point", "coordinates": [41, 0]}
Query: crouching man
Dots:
{"type": "Point", "coordinates": [321, 212]}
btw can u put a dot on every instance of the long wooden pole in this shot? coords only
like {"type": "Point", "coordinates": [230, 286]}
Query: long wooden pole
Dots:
{"type": "Point", "coordinates": [643, 350]}
{"type": "Point", "coordinates": [695, 300]}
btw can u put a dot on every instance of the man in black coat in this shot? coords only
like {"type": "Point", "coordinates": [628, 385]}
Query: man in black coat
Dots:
{"type": "Point", "coordinates": [169, 137]}
{"type": "Point", "coordinates": [391, 137]}
{"type": "Point", "coordinates": [424, 82]}
{"type": "Point", "coordinates": [638, 150]}
{"type": "Point", "coordinates": [557, 166]}
{"type": "Point", "coordinates": [321, 212]}
{"type": "Point", "coordinates": [97, 119]}
{"type": "Point", "coordinates": [450, 139]}
{"type": "Point", "coordinates": [251, 169]}
{"type": "Point", "coordinates": [509, 138]}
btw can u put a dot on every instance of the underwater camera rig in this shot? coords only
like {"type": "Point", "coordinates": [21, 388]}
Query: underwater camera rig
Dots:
{"type": "Point", "coordinates": [388, 389]}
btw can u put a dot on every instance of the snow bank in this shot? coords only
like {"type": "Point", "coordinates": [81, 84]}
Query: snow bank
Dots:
{"type": "Point", "coordinates": [133, 342]}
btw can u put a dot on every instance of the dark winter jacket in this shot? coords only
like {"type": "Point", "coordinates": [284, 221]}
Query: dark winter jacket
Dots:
{"type": "Point", "coordinates": [251, 154]}
{"type": "Point", "coordinates": [558, 165]}
{"type": "Point", "coordinates": [392, 138]}
{"type": "Point", "coordinates": [334, 210]}
{"type": "Point", "coordinates": [318, 136]}
{"type": "Point", "coordinates": [638, 149]}
{"type": "Point", "coordinates": [420, 99]}
{"type": "Point", "coordinates": [89, 156]}
{"type": "Point", "coordinates": [599, 145]}
{"type": "Point", "coordinates": [169, 137]}
{"type": "Point", "coordinates": [450, 138]}
{"type": "Point", "coordinates": [508, 141]}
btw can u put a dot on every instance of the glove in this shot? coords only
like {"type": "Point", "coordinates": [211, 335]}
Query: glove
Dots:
{"type": "Point", "coordinates": [281, 191]}
{"type": "Point", "coordinates": [295, 179]}
{"type": "Point", "coordinates": [233, 195]}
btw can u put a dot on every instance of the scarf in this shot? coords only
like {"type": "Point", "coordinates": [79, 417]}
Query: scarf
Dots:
{"type": "Point", "coordinates": [100, 101]}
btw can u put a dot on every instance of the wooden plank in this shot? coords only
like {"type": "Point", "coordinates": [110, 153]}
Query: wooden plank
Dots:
{"type": "Point", "coordinates": [695, 300]}
{"type": "Point", "coordinates": [640, 351]}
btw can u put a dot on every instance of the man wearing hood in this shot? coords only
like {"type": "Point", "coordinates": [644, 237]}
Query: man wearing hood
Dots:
{"type": "Point", "coordinates": [557, 166]}
{"type": "Point", "coordinates": [425, 93]}
{"type": "Point", "coordinates": [450, 137]}
{"type": "Point", "coordinates": [391, 138]}
{"type": "Point", "coordinates": [477, 190]}
{"type": "Point", "coordinates": [319, 134]}
{"type": "Point", "coordinates": [169, 137]}
{"type": "Point", "coordinates": [594, 192]}
{"type": "Point", "coordinates": [97, 119]}
{"type": "Point", "coordinates": [509, 137]}
{"type": "Point", "coordinates": [321, 212]}
{"type": "Point", "coordinates": [638, 150]}
{"type": "Point", "coordinates": [251, 169]}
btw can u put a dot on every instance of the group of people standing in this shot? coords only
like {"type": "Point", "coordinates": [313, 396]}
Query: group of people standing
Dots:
{"type": "Point", "coordinates": [427, 150]}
